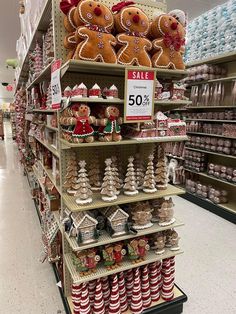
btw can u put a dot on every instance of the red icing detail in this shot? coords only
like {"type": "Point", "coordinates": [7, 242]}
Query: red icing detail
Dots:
{"type": "Point", "coordinates": [97, 11]}
{"type": "Point", "coordinates": [136, 18]}
{"type": "Point", "coordinates": [66, 5]}
{"type": "Point", "coordinates": [174, 26]}
{"type": "Point", "coordinates": [119, 6]}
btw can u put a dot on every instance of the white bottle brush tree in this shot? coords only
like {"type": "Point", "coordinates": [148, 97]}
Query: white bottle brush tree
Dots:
{"type": "Point", "coordinates": [117, 178]}
{"type": "Point", "coordinates": [149, 185]}
{"type": "Point", "coordinates": [140, 171]}
{"type": "Point", "coordinates": [71, 176]}
{"type": "Point", "coordinates": [94, 173]}
{"type": "Point", "coordinates": [161, 170]}
{"type": "Point", "coordinates": [83, 187]}
{"type": "Point", "coordinates": [130, 186]}
{"type": "Point", "coordinates": [109, 191]}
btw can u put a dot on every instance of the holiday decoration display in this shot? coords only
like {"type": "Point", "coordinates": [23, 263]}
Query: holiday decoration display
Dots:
{"type": "Point", "coordinates": [149, 185]}
{"type": "Point", "coordinates": [130, 186]}
{"type": "Point", "coordinates": [122, 292]}
{"type": "Point", "coordinates": [109, 190]}
{"type": "Point", "coordinates": [83, 188]}
{"type": "Point", "coordinates": [76, 297]}
{"type": "Point", "coordinates": [94, 173]}
{"type": "Point", "coordinates": [85, 227]}
{"type": "Point", "coordinates": [155, 280]}
{"type": "Point", "coordinates": [112, 92]}
{"type": "Point", "coordinates": [132, 25]}
{"type": "Point", "coordinates": [161, 169]}
{"type": "Point", "coordinates": [99, 304]}
{"type": "Point", "coordinates": [67, 92]}
{"type": "Point", "coordinates": [166, 213]}
{"type": "Point", "coordinates": [129, 281]}
{"type": "Point", "coordinates": [141, 215]}
{"type": "Point", "coordinates": [106, 291]}
{"type": "Point", "coordinates": [145, 288]}
{"type": "Point", "coordinates": [96, 40]}
{"type": "Point", "coordinates": [136, 305]}
{"type": "Point", "coordinates": [113, 255]}
{"type": "Point", "coordinates": [95, 91]}
{"type": "Point", "coordinates": [71, 176]}
{"type": "Point", "coordinates": [92, 289]}
{"type": "Point", "coordinates": [86, 261]}
{"type": "Point", "coordinates": [85, 307]}
{"type": "Point", "coordinates": [117, 175]}
{"type": "Point", "coordinates": [172, 240]}
{"type": "Point", "coordinates": [159, 243]}
{"type": "Point", "coordinates": [137, 249]}
{"type": "Point", "coordinates": [48, 46]}
{"type": "Point", "coordinates": [167, 290]}
{"type": "Point", "coordinates": [114, 306]}
{"type": "Point", "coordinates": [169, 39]}
{"type": "Point", "coordinates": [111, 124]}
{"type": "Point", "coordinates": [117, 221]}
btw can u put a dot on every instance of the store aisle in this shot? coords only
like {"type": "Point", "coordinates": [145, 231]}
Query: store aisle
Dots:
{"type": "Point", "coordinates": [207, 269]}
{"type": "Point", "coordinates": [26, 285]}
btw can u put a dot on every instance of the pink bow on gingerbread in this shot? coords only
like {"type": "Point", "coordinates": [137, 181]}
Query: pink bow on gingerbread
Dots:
{"type": "Point", "coordinates": [174, 41]}
{"type": "Point", "coordinates": [66, 5]}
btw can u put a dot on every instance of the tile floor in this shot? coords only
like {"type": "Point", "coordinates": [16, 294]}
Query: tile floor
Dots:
{"type": "Point", "coordinates": [206, 272]}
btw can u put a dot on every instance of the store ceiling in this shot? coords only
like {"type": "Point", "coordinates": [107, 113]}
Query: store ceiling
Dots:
{"type": "Point", "coordinates": [10, 31]}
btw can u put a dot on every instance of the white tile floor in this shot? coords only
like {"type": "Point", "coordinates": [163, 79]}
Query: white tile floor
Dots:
{"type": "Point", "coordinates": [206, 272]}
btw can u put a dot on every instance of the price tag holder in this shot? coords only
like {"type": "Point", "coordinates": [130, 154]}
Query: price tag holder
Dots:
{"type": "Point", "coordinates": [139, 95]}
{"type": "Point", "coordinates": [56, 84]}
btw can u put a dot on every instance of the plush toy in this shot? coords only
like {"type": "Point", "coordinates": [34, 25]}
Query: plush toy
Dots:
{"type": "Point", "coordinates": [110, 125]}
{"type": "Point", "coordinates": [68, 7]}
{"type": "Point", "coordinates": [81, 119]}
{"type": "Point", "coordinates": [132, 24]}
{"type": "Point", "coordinates": [97, 41]}
{"type": "Point", "coordinates": [169, 39]}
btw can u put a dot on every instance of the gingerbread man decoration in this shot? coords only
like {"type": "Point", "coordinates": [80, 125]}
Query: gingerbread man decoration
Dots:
{"type": "Point", "coordinates": [132, 24]}
{"type": "Point", "coordinates": [168, 43]}
{"type": "Point", "coordinates": [97, 42]}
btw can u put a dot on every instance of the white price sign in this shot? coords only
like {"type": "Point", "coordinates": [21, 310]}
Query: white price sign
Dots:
{"type": "Point", "coordinates": [56, 84]}
{"type": "Point", "coordinates": [139, 95]}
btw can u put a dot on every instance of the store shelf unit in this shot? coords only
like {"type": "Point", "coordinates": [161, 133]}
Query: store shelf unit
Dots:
{"type": "Point", "coordinates": [218, 59]}
{"type": "Point", "coordinates": [208, 134]}
{"type": "Point", "coordinates": [211, 120]}
{"type": "Point", "coordinates": [210, 152]}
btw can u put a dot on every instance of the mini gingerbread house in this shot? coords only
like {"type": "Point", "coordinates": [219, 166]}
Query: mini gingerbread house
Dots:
{"type": "Point", "coordinates": [178, 91]}
{"type": "Point", "coordinates": [85, 226]}
{"type": "Point", "coordinates": [161, 123]}
{"type": "Point", "coordinates": [117, 220]}
{"type": "Point", "coordinates": [176, 127]}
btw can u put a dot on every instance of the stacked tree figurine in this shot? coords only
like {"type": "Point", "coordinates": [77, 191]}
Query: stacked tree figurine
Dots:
{"type": "Point", "coordinates": [130, 186]}
{"type": "Point", "coordinates": [149, 185]}
{"type": "Point", "coordinates": [140, 171]}
{"type": "Point", "coordinates": [118, 180]}
{"type": "Point", "coordinates": [94, 174]}
{"type": "Point", "coordinates": [71, 176]}
{"type": "Point", "coordinates": [161, 170]}
{"type": "Point", "coordinates": [38, 60]}
{"type": "Point", "coordinates": [83, 188]}
{"type": "Point", "coordinates": [109, 191]}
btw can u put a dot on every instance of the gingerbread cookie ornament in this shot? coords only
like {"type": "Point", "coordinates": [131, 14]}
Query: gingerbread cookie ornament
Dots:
{"type": "Point", "coordinates": [169, 39]}
{"type": "Point", "coordinates": [132, 24]}
{"type": "Point", "coordinates": [97, 41]}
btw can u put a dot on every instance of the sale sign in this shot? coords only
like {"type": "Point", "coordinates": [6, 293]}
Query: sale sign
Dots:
{"type": "Point", "coordinates": [56, 84]}
{"type": "Point", "coordinates": [139, 95]}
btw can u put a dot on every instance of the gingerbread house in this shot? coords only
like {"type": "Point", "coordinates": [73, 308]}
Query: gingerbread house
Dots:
{"type": "Point", "coordinates": [85, 226]}
{"type": "Point", "coordinates": [161, 124]}
{"type": "Point", "coordinates": [176, 127]}
{"type": "Point", "coordinates": [117, 220]}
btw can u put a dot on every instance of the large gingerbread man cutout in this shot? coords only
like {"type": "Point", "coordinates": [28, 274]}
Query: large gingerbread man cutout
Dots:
{"type": "Point", "coordinates": [97, 41]}
{"type": "Point", "coordinates": [169, 39]}
{"type": "Point", "coordinates": [132, 24]}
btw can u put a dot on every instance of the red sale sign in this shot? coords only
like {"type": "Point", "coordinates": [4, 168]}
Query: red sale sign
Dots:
{"type": "Point", "coordinates": [139, 95]}
{"type": "Point", "coordinates": [56, 84]}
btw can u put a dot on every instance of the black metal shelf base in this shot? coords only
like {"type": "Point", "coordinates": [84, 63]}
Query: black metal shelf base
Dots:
{"type": "Point", "coordinates": [215, 209]}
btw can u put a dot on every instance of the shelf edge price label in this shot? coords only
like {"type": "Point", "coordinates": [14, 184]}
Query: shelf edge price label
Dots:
{"type": "Point", "coordinates": [139, 95]}
{"type": "Point", "coordinates": [56, 84]}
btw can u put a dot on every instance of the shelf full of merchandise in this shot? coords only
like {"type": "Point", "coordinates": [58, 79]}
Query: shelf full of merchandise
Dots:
{"type": "Point", "coordinates": [72, 71]}
{"type": "Point", "coordinates": [228, 210]}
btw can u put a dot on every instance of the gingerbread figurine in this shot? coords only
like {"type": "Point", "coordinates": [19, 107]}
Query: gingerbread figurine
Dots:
{"type": "Point", "coordinates": [83, 132]}
{"type": "Point", "coordinates": [168, 43]}
{"type": "Point", "coordinates": [111, 125]}
{"type": "Point", "coordinates": [132, 24]}
{"type": "Point", "coordinates": [97, 41]}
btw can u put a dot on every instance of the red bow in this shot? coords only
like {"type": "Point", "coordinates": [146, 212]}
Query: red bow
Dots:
{"type": "Point", "coordinates": [96, 28]}
{"type": "Point", "coordinates": [66, 5]}
{"type": "Point", "coordinates": [117, 7]}
{"type": "Point", "coordinates": [174, 41]}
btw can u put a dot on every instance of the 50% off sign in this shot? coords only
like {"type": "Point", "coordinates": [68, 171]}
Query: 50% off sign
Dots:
{"type": "Point", "coordinates": [139, 95]}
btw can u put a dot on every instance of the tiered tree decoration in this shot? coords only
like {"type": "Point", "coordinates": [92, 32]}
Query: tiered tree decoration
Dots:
{"type": "Point", "coordinates": [99, 306]}
{"type": "Point", "coordinates": [123, 294]}
{"type": "Point", "coordinates": [149, 185]}
{"type": "Point", "coordinates": [130, 186]}
{"type": "Point", "coordinates": [117, 178]}
{"type": "Point", "coordinates": [154, 284]}
{"type": "Point", "coordinates": [83, 187]}
{"type": "Point", "coordinates": [38, 60]}
{"type": "Point", "coordinates": [114, 306]}
{"type": "Point", "coordinates": [140, 171]}
{"type": "Point", "coordinates": [145, 288]}
{"type": "Point", "coordinates": [136, 305]}
{"type": "Point", "coordinates": [94, 173]}
{"type": "Point", "coordinates": [71, 176]}
{"type": "Point", "coordinates": [106, 291]}
{"type": "Point", "coordinates": [109, 190]}
{"type": "Point", "coordinates": [85, 307]}
{"type": "Point", "coordinates": [161, 170]}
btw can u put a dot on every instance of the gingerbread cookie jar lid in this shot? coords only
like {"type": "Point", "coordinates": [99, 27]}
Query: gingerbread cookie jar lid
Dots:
{"type": "Point", "coordinates": [129, 18]}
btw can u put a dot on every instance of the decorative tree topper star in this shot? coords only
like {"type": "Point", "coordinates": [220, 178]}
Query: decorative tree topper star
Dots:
{"type": "Point", "coordinates": [82, 163]}
{"type": "Point", "coordinates": [108, 161]}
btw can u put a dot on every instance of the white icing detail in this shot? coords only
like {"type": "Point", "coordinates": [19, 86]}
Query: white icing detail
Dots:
{"type": "Point", "coordinates": [128, 23]}
{"type": "Point", "coordinates": [70, 19]}
{"type": "Point", "coordinates": [163, 224]}
{"type": "Point", "coordinates": [109, 198]}
{"type": "Point", "coordinates": [131, 192]}
{"type": "Point", "coordinates": [95, 86]}
{"type": "Point", "coordinates": [67, 89]}
{"type": "Point", "coordinates": [82, 85]}
{"type": "Point", "coordinates": [113, 87]}
{"type": "Point", "coordinates": [82, 202]}
{"type": "Point", "coordinates": [75, 87]}
{"type": "Point", "coordinates": [161, 52]}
